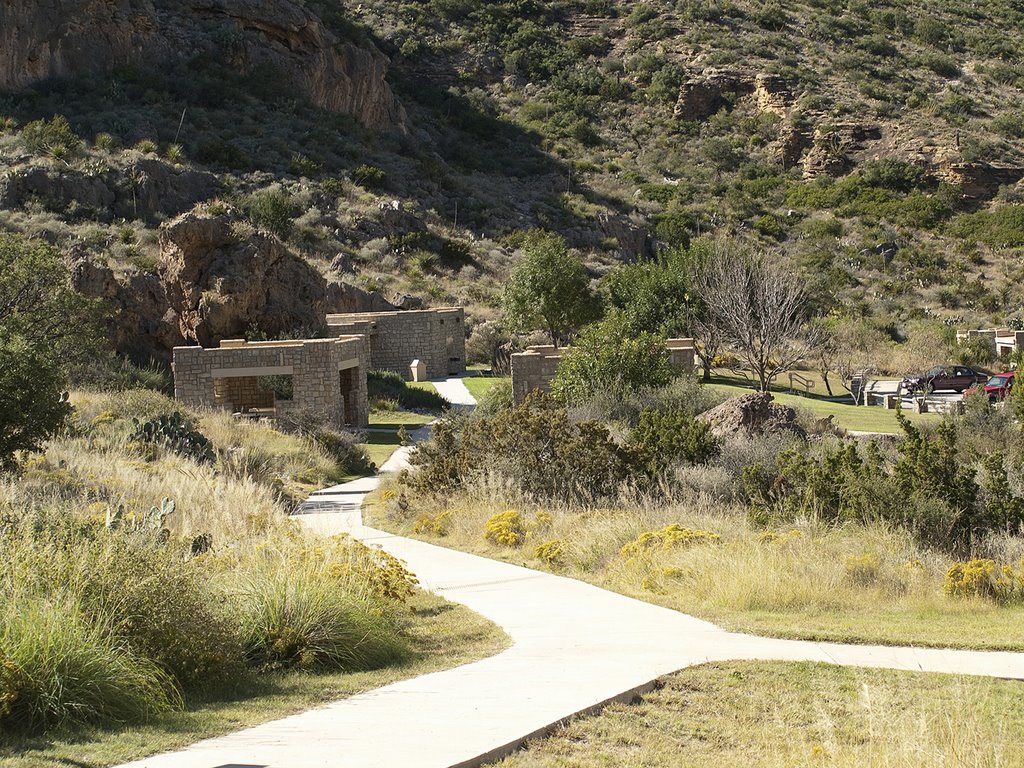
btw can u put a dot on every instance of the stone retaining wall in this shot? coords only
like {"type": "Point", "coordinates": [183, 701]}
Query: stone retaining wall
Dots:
{"type": "Point", "coordinates": [437, 337]}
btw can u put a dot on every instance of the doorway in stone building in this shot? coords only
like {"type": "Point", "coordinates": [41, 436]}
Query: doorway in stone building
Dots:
{"type": "Point", "coordinates": [349, 383]}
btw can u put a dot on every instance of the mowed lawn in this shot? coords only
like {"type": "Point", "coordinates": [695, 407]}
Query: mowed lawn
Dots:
{"type": "Point", "coordinates": [862, 418]}
{"type": "Point", "coordinates": [479, 386]}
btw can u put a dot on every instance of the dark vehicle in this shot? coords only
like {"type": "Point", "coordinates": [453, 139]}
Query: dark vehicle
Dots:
{"type": "Point", "coordinates": [954, 378]}
{"type": "Point", "coordinates": [997, 387]}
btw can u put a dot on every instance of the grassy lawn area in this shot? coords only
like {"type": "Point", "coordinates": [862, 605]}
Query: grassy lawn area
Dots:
{"type": "Point", "coordinates": [380, 445]}
{"type": "Point", "coordinates": [443, 634]}
{"type": "Point", "coordinates": [479, 386]}
{"type": "Point", "coordinates": [426, 386]}
{"type": "Point", "coordinates": [395, 419]}
{"type": "Point", "coordinates": [845, 414]}
{"type": "Point", "coordinates": [776, 715]}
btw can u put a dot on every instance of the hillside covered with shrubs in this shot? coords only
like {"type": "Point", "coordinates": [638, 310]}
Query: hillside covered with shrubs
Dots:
{"type": "Point", "coordinates": [875, 147]}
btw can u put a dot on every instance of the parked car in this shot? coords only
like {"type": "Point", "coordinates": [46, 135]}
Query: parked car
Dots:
{"type": "Point", "coordinates": [997, 387]}
{"type": "Point", "coordinates": [955, 378]}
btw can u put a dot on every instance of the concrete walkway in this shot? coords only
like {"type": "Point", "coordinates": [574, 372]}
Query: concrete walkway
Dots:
{"type": "Point", "coordinates": [576, 647]}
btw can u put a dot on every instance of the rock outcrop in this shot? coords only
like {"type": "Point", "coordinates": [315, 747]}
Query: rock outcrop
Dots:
{"type": "Point", "coordinates": [217, 278]}
{"type": "Point", "coordinates": [146, 189]}
{"type": "Point", "coordinates": [753, 414]}
{"type": "Point", "coordinates": [702, 96]}
{"type": "Point", "coordinates": [42, 39]}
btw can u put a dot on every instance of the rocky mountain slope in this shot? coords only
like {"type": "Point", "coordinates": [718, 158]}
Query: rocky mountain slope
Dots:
{"type": "Point", "coordinates": [403, 148]}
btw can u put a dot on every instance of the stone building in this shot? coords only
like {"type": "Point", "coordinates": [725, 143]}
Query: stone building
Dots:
{"type": "Point", "coordinates": [435, 337]}
{"type": "Point", "coordinates": [1005, 341]}
{"type": "Point", "coordinates": [535, 367]}
{"type": "Point", "coordinates": [278, 379]}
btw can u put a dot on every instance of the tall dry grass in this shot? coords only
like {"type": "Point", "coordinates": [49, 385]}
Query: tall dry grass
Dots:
{"type": "Point", "coordinates": [857, 582]}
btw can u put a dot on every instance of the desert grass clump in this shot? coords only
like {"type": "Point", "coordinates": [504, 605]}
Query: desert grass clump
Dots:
{"type": "Point", "coordinates": [316, 608]}
{"type": "Point", "coordinates": [64, 669]}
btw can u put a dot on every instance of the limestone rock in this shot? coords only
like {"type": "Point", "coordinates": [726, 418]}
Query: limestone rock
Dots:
{"type": "Point", "coordinates": [835, 145]}
{"type": "Point", "coordinates": [753, 414]}
{"type": "Point", "coordinates": [407, 301]}
{"type": "Point", "coordinates": [41, 39]}
{"type": "Point", "coordinates": [223, 278]}
{"type": "Point", "coordinates": [702, 96]}
{"type": "Point", "coordinates": [146, 189]}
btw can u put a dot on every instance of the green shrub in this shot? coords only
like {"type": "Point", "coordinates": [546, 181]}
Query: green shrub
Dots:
{"type": "Point", "coordinates": [664, 437]}
{"type": "Point", "coordinates": [53, 137]}
{"type": "Point", "coordinates": [610, 356]}
{"type": "Point", "coordinates": [369, 177]}
{"type": "Point", "coordinates": [271, 209]}
{"type": "Point", "coordinates": [534, 447]}
{"type": "Point", "coordinates": [159, 604]}
{"type": "Point", "coordinates": [1000, 227]}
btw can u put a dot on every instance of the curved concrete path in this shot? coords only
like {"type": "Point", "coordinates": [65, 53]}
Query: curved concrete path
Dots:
{"type": "Point", "coordinates": [576, 647]}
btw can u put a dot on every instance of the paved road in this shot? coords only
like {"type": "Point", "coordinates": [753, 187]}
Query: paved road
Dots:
{"type": "Point", "coordinates": [576, 647]}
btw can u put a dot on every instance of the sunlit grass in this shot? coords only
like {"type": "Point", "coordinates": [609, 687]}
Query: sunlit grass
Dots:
{"type": "Point", "coordinates": [777, 715]}
{"type": "Point", "coordinates": [802, 584]}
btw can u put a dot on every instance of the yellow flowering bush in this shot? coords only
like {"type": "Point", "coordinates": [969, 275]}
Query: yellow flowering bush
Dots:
{"type": "Point", "coordinates": [670, 536]}
{"type": "Point", "coordinates": [984, 578]}
{"type": "Point", "coordinates": [505, 529]}
{"type": "Point", "coordinates": [863, 569]}
{"type": "Point", "coordinates": [772, 537]}
{"type": "Point", "coordinates": [435, 525]}
{"type": "Point", "coordinates": [550, 552]}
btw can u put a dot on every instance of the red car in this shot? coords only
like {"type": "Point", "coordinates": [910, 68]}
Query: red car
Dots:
{"type": "Point", "coordinates": [997, 387]}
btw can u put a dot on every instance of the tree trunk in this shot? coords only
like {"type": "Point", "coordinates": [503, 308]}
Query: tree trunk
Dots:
{"type": "Point", "coordinates": [828, 387]}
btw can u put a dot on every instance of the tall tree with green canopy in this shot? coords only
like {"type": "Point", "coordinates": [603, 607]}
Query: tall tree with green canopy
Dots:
{"type": "Point", "coordinates": [45, 328]}
{"type": "Point", "coordinates": [549, 289]}
{"type": "Point", "coordinates": [658, 296]}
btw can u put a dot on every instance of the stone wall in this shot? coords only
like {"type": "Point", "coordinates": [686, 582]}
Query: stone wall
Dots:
{"type": "Point", "coordinates": [437, 337]}
{"type": "Point", "coordinates": [328, 377]}
{"type": "Point", "coordinates": [534, 368]}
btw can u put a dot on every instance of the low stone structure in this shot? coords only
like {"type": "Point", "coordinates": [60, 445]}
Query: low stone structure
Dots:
{"type": "Point", "coordinates": [435, 337]}
{"type": "Point", "coordinates": [1004, 340]}
{"type": "Point", "coordinates": [535, 367]}
{"type": "Point", "coordinates": [326, 377]}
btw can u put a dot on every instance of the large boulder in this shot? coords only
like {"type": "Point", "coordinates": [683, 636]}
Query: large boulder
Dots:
{"type": "Point", "coordinates": [217, 278]}
{"type": "Point", "coordinates": [752, 414]}
{"type": "Point", "coordinates": [224, 277]}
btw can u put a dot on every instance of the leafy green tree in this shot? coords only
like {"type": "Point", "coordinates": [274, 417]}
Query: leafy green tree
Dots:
{"type": "Point", "coordinates": [548, 289]}
{"type": "Point", "coordinates": [610, 356]}
{"type": "Point", "coordinates": [659, 297]}
{"type": "Point", "coordinates": [652, 295]}
{"type": "Point", "coordinates": [32, 408]}
{"type": "Point", "coordinates": [46, 327]}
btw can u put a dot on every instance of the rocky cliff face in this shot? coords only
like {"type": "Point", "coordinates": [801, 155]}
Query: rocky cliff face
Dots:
{"type": "Point", "coordinates": [217, 279]}
{"type": "Point", "coordinates": [41, 39]}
